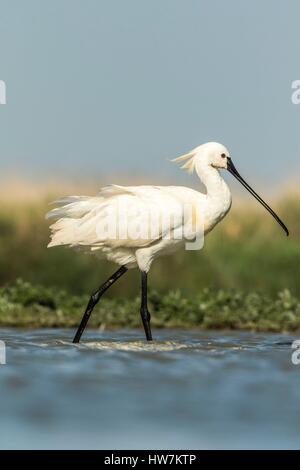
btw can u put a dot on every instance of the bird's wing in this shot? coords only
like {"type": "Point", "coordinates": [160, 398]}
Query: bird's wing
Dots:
{"type": "Point", "coordinates": [137, 216]}
{"type": "Point", "coordinates": [118, 216]}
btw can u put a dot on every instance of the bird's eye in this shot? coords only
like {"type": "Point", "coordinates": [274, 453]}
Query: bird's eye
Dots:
{"type": "Point", "coordinates": [223, 155]}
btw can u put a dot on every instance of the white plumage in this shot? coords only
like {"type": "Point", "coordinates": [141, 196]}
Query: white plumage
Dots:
{"type": "Point", "coordinates": [173, 208]}
{"type": "Point", "coordinates": [133, 225]}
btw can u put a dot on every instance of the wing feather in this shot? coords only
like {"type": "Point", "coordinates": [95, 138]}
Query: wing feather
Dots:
{"type": "Point", "coordinates": [128, 217]}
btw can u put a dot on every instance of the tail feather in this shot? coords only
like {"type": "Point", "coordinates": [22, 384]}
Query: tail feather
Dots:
{"type": "Point", "coordinates": [62, 232]}
{"type": "Point", "coordinates": [76, 217]}
{"type": "Point", "coordinates": [73, 207]}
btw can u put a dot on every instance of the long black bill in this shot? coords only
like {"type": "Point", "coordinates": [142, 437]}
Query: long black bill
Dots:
{"type": "Point", "coordinates": [231, 168]}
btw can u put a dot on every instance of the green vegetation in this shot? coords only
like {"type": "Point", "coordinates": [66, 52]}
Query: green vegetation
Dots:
{"type": "Point", "coordinates": [22, 304]}
{"type": "Point", "coordinates": [247, 275]}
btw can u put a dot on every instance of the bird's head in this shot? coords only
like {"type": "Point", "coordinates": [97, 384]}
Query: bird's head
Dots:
{"type": "Point", "coordinates": [205, 155]}
{"type": "Point", "coordinates": [214, 155]}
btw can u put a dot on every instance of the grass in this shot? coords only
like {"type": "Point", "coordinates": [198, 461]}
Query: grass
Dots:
{"type": "Point", "coordinates": [247, 276]}
{"type": "Point", "coordinates": [25, 305]}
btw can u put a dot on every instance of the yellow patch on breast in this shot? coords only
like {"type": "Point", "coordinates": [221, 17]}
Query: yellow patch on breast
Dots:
{"type": "Point", "coordinates": [194, 218]}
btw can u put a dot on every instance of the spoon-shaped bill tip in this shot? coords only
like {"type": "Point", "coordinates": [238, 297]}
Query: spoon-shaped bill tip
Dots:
{"type": "Point", "coordinates": [231, 168]}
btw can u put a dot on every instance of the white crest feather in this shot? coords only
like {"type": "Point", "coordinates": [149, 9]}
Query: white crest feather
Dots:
{"type": "Point", "coordinates": [189, 165]}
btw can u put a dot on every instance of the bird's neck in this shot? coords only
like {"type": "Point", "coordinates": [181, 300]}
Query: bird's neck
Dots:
{"type": "Point", "coordinates": [212, 180]}
{"type": "Point", "coordinates": [218, 193]}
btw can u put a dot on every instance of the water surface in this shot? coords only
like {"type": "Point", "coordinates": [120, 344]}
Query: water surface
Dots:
{"type": "Point", "coordinates": [187, 389]}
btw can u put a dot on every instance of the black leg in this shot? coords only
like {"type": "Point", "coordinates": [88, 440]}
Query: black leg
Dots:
{"type": "Point", "coordinates": [144, 307]}
{"type": "Point", "coordinates": [95, 297]}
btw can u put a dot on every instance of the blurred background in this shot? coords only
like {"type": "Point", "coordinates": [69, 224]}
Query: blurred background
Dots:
{"type": "Point", "coordinates": [107, 91]}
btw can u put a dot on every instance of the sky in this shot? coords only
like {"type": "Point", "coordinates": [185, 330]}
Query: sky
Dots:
{"type": "Point", "coordinates": [114, 87]}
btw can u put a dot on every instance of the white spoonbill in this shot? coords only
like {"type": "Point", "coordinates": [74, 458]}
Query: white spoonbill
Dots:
{"type": "Point", "coordinates": [98, 225]}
